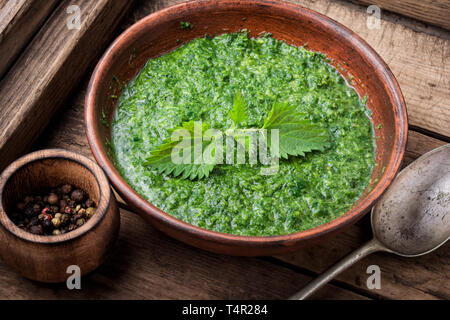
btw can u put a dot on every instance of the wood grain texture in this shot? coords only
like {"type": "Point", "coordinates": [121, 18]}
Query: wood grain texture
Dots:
{"type": "Point", "coordinates": [146, 264]}
{"type": "Point", "coordinates": [399, 280]}
{"type": "Point", "coordinates": [435, 12]}
{"type": "Point", "coordinates": [419, 59]}
{"type": "Point", "coordinates": [46, 258]}
{"type": "Point", "coordinates": [49, 68]}
{"type": "Point", "coordinates": [19, 20]}
{"type": "Point", "coordinates": [418, 55]}
{"type": "Point", "coordinates": [424, 277]}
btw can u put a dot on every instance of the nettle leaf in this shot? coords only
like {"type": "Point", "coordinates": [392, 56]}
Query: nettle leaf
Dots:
{"type": "Point", "coordinates": [296, 135]}
{"type": "Point", "coordinates": [179, 158]}
{"type": "Point", "coordinates": [191, 150]}
{"type": "Point", "coordinates": [238, 112]}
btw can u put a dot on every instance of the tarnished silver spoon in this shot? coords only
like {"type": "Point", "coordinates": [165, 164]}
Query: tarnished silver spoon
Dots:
{"type": "Point", "coordinates": [411, 219]}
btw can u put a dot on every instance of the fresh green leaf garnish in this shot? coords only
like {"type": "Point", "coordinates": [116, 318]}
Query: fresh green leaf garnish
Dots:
{"type": "Point", "coordinates": [238, 112]}
{"type": "Point", "coordinates": [296, 135]}
{"type": "Point", "coordinates": [189, 164]}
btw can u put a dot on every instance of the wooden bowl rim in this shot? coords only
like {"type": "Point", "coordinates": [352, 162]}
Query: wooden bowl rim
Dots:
{"type": "Point", "coordinates": [57, 154]}
{"type": "Point", "coordinates": [130, 195]}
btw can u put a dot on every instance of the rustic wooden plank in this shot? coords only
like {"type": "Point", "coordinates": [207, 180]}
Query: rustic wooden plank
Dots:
{"type": "Point", "coordinates": [146, 264]}
{"type": "Point", "coordinates": [424, 277]}
{"type": "Point", "coordinates": [49, 68]}
{"type": "Point", "coordinates": [416, 278]}
{"type": "Point", "coordinates": [2, 3]}
{"type": "Point", "coordinates": [419, 144]}
{"type": "Point", "coordinates": [420, 60]}
{"type": "Point", "coordinates": [435, 12]}
{"type": "Point", "coordinates": [19, 20]}
{"type": "Point", "coordinates": [418, 56]}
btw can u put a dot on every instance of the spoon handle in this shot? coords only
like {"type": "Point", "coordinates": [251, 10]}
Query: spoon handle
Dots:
{"type": "Point", "coordinates": [366, 249]}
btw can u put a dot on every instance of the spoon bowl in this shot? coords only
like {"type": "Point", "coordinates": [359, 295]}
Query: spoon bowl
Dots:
{"type": "Point", "coordinates": [411, 219]}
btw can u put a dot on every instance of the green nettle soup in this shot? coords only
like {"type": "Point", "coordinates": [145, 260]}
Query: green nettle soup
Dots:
{"type": "Point", "coordinates": [198, 82]}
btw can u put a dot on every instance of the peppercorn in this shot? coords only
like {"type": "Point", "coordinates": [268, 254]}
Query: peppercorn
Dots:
{"type": "Point", "coordinates": [54, 209]}
{"type": "Point", "coordinates": [62, 203]}
{"type": "Point", "coordinates": [80, 222]}
{"type": "Point", "coordinates": [66, 188]}
{"type": "Point", "coordinates": [56, 232]}
{"type": "Point", "coordinates": [81, 212]}
{"type": "Point", "coordinates": [28, 211]}
{"type": "Point", "coordinates": [34, 221]}
{"type": "Point", "coordinates": [47, 225]}
{"type": "Point", "coordinates": [56, 222]}
{"type": "Point", "coordinates": [58, 211]}
{"type": "Point", "coordinates": [64, 218]}
{"type": "Point", "coordinates": [89, 212]}
{"type": "Point", "coordinates": [89, 203]}
{"type": "Point", "coordinates": [37, 209]}
{"type": "Point", "coordinates": [37, 229]}
{"type": "Point", "coordinates": [52, 198]}
{"type": "Point", "coordinates": [77, 195]}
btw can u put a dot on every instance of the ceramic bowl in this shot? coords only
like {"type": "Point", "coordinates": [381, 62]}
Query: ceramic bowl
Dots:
{"type": "Point", "coordinates": [160, 33]}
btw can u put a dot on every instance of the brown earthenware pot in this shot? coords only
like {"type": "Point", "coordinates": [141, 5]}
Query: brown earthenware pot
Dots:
{"type": "Point", "coordinates": [160, 33]}
{"type": "Point", "coordinates": [46, 258]}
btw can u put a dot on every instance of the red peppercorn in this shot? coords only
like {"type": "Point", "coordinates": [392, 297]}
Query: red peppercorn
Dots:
{"type": "Point", "coordinates": [67, 210]}
{"type": "Point", "coordinates": [46, 210]}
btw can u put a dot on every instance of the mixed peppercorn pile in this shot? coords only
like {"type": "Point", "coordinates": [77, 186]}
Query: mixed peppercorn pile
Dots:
{"type": "Point", "coordinates": [59, 211]}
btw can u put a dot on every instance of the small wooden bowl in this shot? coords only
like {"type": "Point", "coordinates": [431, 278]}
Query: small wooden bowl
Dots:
{"type": "Point", "coordinates": [160, 33]}
{"type": "Point", "coordinates": [46, 258]}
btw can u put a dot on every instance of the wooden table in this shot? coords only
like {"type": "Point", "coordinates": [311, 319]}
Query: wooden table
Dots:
{"type": "Point", "coordinates": [146, 264]}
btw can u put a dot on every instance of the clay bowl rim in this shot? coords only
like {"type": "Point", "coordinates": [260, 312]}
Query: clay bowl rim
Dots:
{"type": "Point", "coordinates": [362, 205]}
{"type": "Point", "coordinates": [57, 154]}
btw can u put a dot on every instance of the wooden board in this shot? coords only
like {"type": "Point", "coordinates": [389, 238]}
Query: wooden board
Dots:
{"type": "Point", "coordinates": [317, 258]}
{"type": "Point", "coordinates": [419, 58]}
{"type": "Point", "coordinates": [436, 12]}
{"type": "Point", "coordinates": [19, 21]}
{"type": "Point", "coordinates": [142, 266]}
{"type": "Point", "coordinates": [148, 264]}
{"type": "Point", "coordinates": [53, 63]}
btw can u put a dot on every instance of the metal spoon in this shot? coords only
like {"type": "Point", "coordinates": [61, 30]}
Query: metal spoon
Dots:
{"type": "Point", "coordinates": [411, 219]}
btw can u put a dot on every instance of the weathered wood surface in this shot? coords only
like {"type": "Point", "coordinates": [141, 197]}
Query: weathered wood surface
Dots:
{"type": "Point", "coordinates": [436, 12]}
{"type": "Point", "coordinates": [19, 20]}
{"type": "Point", "coordinates": [49, 68]}
{"type": "Point", "coordinates": [148, 264]}
{"type": "Point", "coordinates": [419, 58]}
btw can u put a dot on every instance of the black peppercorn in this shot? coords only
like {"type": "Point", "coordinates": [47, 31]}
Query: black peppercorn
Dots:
{"type": "Point", "coordinates": [48, 226]}
{"type": "Point", "coordinates": [37, 229]}
{"type": "Point", "coordinates": [28, 211]}
{"type": "Point", "coordinates": [67, 188]}
{"type": "Point", "coordinates": [77, 195]}
{"type": "Point", "coordinates": [59, 210]}
{"type": "Point", "coordinates": [52, 198]}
